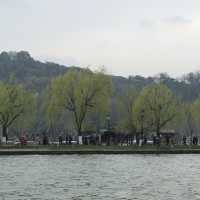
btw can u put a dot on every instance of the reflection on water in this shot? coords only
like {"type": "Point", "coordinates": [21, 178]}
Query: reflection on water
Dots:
{"type": "Point", "coordinates": [98, 177]}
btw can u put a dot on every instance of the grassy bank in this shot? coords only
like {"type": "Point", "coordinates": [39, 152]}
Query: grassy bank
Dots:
{"type": "Point", "coordinates": [95, 149]}
{"type": "Point", "coordinates": [99, 147]}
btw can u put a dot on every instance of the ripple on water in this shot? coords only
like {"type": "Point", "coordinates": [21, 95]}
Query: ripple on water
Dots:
{"type": "Point", "coordinates": [100, 177]}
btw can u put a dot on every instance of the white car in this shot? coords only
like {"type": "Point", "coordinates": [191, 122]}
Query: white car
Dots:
{"type": "Point", "coordinates": [149, 141]}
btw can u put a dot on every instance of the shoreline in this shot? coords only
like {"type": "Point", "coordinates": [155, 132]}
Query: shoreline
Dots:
{"type": "Point", "coordinates": [40, 151]}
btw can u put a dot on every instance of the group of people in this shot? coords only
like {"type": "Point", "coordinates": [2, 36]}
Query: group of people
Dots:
{"type": "Point", "coordinates": [194, 140]}
{"type": "Point", "coordinates": [68, 139]}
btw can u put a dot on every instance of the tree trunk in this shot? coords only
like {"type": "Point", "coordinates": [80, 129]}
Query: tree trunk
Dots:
{"type": "Point", "coordinates": [191, 134]}
{"type": "Point", "coordinates": [79, 131]}
{"type": "Point", "coordinates": [158, 130]}
{"type": "Point", "coordinates": [5, 132]}
{"type": "Point", "coordinates": [142, 132]}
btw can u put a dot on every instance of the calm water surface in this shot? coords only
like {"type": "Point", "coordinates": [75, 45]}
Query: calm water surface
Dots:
{"type": "Point", "coordinates": [107, 177]}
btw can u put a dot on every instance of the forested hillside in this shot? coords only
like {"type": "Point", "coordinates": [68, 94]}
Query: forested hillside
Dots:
{"type": "Point", "coordinates": [36, 75]}
{"type": "Point", "coordinates": [32, 73]}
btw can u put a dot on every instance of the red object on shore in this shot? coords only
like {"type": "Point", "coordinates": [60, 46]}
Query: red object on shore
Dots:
{"type": "Point", "coordinates": [23, 140]}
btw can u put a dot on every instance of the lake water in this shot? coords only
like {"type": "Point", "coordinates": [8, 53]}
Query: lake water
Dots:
{"type": "Point", "coordinates": [107, 177]}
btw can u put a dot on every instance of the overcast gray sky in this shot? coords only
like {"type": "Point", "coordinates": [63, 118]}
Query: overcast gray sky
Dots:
{"type": "Point", "coordinates": [128, 37]}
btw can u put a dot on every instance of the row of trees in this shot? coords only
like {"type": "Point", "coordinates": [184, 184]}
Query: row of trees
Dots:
{"type": "Point", "coordinates": [156, 108]}
{"type": "Point", "coordinates": [81, 99]}
{"type": "Point", "coordinates": [149, 110]}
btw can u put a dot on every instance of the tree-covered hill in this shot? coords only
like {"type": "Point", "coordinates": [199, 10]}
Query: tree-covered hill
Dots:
{"type": "Point", "coordinates": [32, 73]}
{"type": "Point", "coordinates": [36, 75]}
{"type": "Point", "coordinates": [187, 88]}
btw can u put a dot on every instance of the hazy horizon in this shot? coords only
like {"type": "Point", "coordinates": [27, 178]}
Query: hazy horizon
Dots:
{"type": "Point", "coordinates": [128, 37]}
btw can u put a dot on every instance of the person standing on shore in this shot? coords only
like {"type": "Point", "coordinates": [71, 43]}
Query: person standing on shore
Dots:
{"type": "Point", "coordinates": [184, 140]}
{"type": "Point", "coordinates": [60, 139]}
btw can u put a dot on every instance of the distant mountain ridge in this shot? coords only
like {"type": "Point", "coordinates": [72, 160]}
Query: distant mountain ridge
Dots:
{"type": "Point", "coordinates": [36, 75]}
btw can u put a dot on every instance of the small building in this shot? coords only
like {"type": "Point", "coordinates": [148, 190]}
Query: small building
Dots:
{"type": "Point", "coordinates": [168, 136]}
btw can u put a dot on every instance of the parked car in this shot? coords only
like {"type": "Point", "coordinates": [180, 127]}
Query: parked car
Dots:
{"type": "Point", "coordinates": [149, 141]}
{"type": "Point", "coordinates": [10, 141]}
{"type": "Point", "coordinates": [17, 142]}
{"type": "Point", "coordinates": [72, 142]}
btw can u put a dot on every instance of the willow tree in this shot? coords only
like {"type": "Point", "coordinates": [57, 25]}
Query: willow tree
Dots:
{"type": "Point", "coordinates": [142, 118]}
{"type": "Point", "coordinates": [80, 92]}
{"type": "Point", "coordinates": [190, 116]}
{"type": "Point", "coordinates": [160, 106]}
{"type": "Point", "coordinates": [126, 108]}
{"type": "Point", "coordinates": [15, 103]}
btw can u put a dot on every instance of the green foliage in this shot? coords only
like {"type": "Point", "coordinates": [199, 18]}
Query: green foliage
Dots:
{"type": "Point", "coordinates": [80, 92]}
{"type": "Point", "coordinates": [16, 105]}
{"type": "Point", "coordinates": [195, 109]}
{"type": "Point", "coordinates": [126, 109]}
{"type": "Point", "coordinates": [189, 116]}
{"type": "Point", "coordinates": [159, 106]}
{"type": "Point", "coordinates": [192, 116]}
